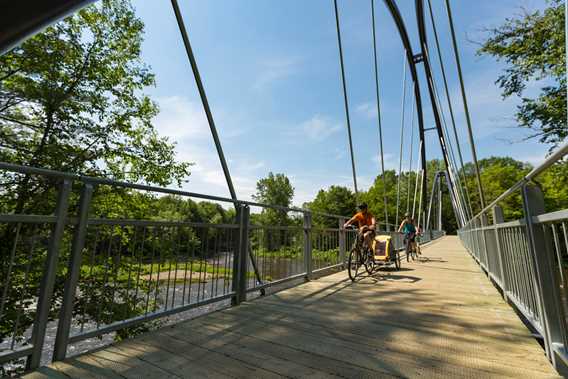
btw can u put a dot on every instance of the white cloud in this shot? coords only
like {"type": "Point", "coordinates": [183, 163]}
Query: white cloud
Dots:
{"type": "Point", "coordinates": [184, 122]}
{"type": "Point", "coordinates": [273, 70]}
{"type": "Point", "coordinates": [181, 119]}
{"type": "Point", "coordinates": [367, 110]}
{"type": "Point", "coordinates": [319, 127]}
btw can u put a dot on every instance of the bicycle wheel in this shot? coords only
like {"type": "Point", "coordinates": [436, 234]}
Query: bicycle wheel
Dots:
{"type": "Point", "coordinates": [396, 260]}
{"type": "Point", "coordinates": [369, 263]}
{"type": "Point", "coordinates": [353, 264]}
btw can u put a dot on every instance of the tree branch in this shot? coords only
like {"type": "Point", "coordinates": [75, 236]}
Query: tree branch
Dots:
{"type": "Point", "coordinates": [10, 74]}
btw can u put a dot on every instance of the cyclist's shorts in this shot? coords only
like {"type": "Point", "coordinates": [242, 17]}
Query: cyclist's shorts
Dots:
{"type": "Point", "coordinates": [411, 237]}
{"type": "Point", "coordinates": [373, 234]}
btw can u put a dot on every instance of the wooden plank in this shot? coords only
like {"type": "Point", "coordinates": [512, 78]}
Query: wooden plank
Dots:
{"type": "Point", "coordinates": [298, 357]}
{"type": "Point", "coordinates": [385, 335]}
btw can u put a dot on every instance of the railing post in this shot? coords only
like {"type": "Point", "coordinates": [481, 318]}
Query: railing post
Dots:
{"type": "Point", "coordinates": [66, 313]}
{"type": "Point", "coordinates": [308, 244]}
{"type": "Point", "coordinates": [342, 241]}
{"type": "Point", "coordinates": [49, 275]}
{"type": "Point", "coordinates": [552, 314]}
{"type": "Point", "coordinates": [484, 254]}
{"type": "Point", "coordinates": [240, 258]}
{"type": "Point", "coordinates": [498, 219]}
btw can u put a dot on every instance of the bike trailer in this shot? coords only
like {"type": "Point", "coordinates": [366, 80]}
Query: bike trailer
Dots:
{"type": "Point", "coordinates": [382, 248]}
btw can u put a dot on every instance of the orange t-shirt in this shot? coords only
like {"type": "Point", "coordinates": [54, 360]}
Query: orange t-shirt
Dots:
{"type": "Point", "coordinates": [364, 220]}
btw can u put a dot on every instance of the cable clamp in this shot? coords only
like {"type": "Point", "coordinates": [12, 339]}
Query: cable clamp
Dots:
{"type": "Point", "coordinates": [418, 58]}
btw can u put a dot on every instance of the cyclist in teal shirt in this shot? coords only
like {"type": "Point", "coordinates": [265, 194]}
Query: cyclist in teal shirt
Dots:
{"type": "Point", "coordinates": [409, 231]}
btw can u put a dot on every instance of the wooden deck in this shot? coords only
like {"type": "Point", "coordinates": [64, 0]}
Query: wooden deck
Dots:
{"type": "Point", "coordinates": [440, 317]}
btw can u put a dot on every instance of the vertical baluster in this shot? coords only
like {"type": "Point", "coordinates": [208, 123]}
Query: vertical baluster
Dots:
{"type": "Point", "coordinates": [78, 244]}
{"type": "Point", "coordinates": [308, 245]}
{"type": "Point", "coordinates": [50, 272]}
{"type": "Point", "coordinates": [553, 318]}
{"type": "Point", "coordinates": [139, 269]}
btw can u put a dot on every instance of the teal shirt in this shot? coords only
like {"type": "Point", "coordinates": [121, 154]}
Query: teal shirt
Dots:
{"type": "Point", "coordinates": [408, 228]}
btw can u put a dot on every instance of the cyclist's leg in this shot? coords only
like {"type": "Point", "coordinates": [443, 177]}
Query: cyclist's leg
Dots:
{"type": "Point", "coordinates": [406, 246]}
{"type": "Point", "coordinates": [368, 239]}
{"type": "Point", "coordinates": [360, 240]}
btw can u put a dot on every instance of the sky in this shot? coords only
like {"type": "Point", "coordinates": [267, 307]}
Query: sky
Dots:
{"type": "Point", "coordinates": [272, 77]}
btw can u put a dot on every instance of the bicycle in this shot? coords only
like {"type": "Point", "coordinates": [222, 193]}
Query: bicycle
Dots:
{"type": "Point", "coordinates": [361, 255]}
{"type": "Point", "coordinates": [410, 252]}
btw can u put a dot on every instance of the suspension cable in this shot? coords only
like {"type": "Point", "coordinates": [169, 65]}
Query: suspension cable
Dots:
{"type": "Point", "coordinates": [375, 61]}
{"type": "Point", "coordinates": [458, 192]}
{"type": "Point", "coordinates": [449, 155]}
{"type": "Point", "coordinates": [465, 106]}
{"type": "Point", "coordinates": [417, 175]}
{"type": "Point", "coordinates": [401, 137]}
{"type": "Point", "coordinates": [420, 211]}
{"type": "Point", "coordinates": [344, 85]}
{"type": "Point", "coordinates": [450, 107]}
{"type": "Point", "coordinates": [204, 101]}
{"type": "Point", "coordinates": [409, 180]}
{"type": "Point", "coordinates": [447, 151]}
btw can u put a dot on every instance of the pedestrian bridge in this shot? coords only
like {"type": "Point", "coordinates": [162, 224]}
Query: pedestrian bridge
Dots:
{"type": "Point", "coordinates": [439, 316]}
{"type": "Point", "coordinates": [272, 296]}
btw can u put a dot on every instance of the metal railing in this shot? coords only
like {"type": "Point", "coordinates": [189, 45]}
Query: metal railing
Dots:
{"type": "Point", "coordinates": [527, 259]}
{"type": "Point", "coordinates": [86, 268]}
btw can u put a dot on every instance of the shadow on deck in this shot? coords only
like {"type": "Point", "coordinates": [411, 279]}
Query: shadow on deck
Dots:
{"type": "Point", "coordinates": [437, 317]}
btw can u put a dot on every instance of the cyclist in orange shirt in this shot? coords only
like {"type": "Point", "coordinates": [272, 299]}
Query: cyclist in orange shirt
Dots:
{"type": "Point", "coordinates": [366, 223]}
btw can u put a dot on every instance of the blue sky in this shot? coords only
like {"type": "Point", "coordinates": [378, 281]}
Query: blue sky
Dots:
{"type": "Point", "coordinates": [271, 73]}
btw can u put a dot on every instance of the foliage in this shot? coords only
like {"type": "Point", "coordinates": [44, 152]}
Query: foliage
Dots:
{"type": "Point", "coordinates": [554, 183]}
{"type": "Point", "coordinates": [449, 221]}
{"type": "Point", "coordinates": [335, 200]}
{"type": "Point", "coordinates": [534, 48]}
{"type": "Point", "coordinates": [71, 100]}
{"type": "Point", "coordinates": [275, 189]}
{"type": "Point", "coordinates": [497, 175]}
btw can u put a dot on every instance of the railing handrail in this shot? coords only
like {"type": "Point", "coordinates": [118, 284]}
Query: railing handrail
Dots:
{"type": "Point", "coordinates": [552, 159]}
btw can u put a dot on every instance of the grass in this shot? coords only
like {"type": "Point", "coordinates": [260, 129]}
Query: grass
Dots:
{"type": "Point", "coordinates": [128, 270]}
{"type": "Point", "coordinates": [287, 252]}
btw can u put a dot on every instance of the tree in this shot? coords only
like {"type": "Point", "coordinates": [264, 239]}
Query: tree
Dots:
{"type": "Point", "coordinates": [275, 189]}
{"type": "Point", "coordinates": [374, 196]}
{"type": "Point", "coordinates": [336, 200]}
{"type": "Point", "coordinates": [554, 182]}
{"type": "Point", "coordinates": [533, 46]}
{"type": "Point", "coordinates": [449, 220]}
{"type": "Point", "coordinates": [71, 100]}
{"type": "Point", "coordinates": [498, 174]}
